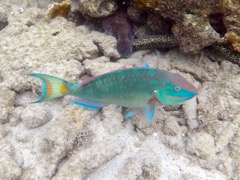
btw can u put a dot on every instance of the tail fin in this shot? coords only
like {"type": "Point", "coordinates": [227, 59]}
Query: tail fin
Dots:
{"type": "Point", "coordinates": [52, 87]}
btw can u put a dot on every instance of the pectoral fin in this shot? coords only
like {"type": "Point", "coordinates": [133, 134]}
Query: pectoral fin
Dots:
{"type": "Point", "coordinates": [150, 113]}
{"type": "Point", "coordinates": [149, 109]}
{"type": "Point", "coordinates": [89, 104]}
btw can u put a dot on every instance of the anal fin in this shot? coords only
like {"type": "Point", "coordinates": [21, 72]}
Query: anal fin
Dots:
{"type": "Point", "coordinates": [134, 113]}
{"type": "Point", "coordinates": [89, 104]}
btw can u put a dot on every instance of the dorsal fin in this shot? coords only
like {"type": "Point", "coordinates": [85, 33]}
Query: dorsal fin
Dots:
{"type": "Point", "coordinates": [146, 65]}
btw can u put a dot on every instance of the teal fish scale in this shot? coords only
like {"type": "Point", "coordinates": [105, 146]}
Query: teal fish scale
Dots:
{"type": "Point", "coordinates": [126, 88]}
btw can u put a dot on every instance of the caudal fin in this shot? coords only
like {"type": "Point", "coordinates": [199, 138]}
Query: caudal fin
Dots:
{"type": "Point", "coordinates": [52, 87]}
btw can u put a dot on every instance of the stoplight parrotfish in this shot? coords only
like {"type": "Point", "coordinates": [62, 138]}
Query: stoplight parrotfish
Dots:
{"type": "Point", "coordinates": [140, 89]}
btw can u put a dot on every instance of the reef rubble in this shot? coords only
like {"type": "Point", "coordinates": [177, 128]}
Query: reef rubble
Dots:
{"type": "Point", "coordinates": [58, 140]}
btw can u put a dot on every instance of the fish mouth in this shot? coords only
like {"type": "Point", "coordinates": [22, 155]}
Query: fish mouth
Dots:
{"type": "Point", "coordinates": [176, 99]}
{"type": "Point", "coordinates": [183, 98]}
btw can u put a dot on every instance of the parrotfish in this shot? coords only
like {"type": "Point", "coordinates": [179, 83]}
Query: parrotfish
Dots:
{"type": "Point", "coordinates": [118, 25]}
{"type": "Point", "coordinates": [140, 89]}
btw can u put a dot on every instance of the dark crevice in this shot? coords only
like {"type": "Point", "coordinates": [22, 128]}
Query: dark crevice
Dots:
{"type": "Point", "coordinates": [76, 17]}
{"type": "Point", "coordinates": [216, 21]}
{"type": "Point", "coordinates": [100, 49]}
{"type": "Point", "coordinates": [1, 78]}
{"type": "Point", "coordinates": [3, 24]}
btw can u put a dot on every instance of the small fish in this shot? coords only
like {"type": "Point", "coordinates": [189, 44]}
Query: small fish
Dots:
{"type": "Point", "coordinates": [140, 89]}
{"type": "Point", "coordinates": [55, 33]}
{"type": "Point", "coordinates": [119, 26]}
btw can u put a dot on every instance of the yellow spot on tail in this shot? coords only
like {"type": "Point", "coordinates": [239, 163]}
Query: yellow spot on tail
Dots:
{"type": "Point", "coordinates": [155, 91]}
{"type": "Point", "coordinates": [64, 89]}
{"type": "Point", "coordinates": [49, 88]}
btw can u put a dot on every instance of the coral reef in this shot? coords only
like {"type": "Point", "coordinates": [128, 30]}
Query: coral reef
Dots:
{"type": "Point", "coordinates": [196, 24]}
{"type": "Point", "coordinates": [57, 140]}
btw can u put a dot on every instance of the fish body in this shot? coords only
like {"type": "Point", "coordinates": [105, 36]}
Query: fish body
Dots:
{"type": "Point", "coordinates": [119, 26]}
{"type": "Point", "coordinates": [129, 88]}
{"type": "Point", "coordinates": [140, 89]}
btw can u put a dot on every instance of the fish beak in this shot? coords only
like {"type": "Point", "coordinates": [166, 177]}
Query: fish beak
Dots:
{"type": "Point", "coordinates": [183, 98]}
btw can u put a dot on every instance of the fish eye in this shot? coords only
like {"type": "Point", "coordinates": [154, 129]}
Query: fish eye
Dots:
{"type": "Point", "coordinates": [177, 88]}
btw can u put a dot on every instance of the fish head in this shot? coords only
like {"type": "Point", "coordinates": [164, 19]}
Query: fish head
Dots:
{"type": "Point", "coordinates": [176, 89]}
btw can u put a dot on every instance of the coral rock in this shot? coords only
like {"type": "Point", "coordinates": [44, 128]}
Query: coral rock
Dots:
{"type": "Point", "coordinates": [190, 111]}
{"type": "Point", "coordinates": [15, 114]}
{"type": "Point", "coordinates": [192, 20]}
{"type": "Point", "coordinates": [194, 33]}
{"type": "Point", "coordinates": [171, 126]}
{"type": "Point", "coordinates": [234, 40]}
{"type": "Point", "coordinates": [100, 65]}
{"type": "Point", "coordinates": [97, 8]}
{"type": "Point", "coordinates": [158, 24]}
{"type": "Point", "coordinates": [136, 15]}
{"type": "Point", "coordinates": [201, 144]}
{"type": "Point", "coordinates": [235, 145]}
{"type": "Point", "coordinates": [31, 119]}
{"type": "Point", "coordinates": [141, 168]}
{"type": "Point", "coordinates": [9, 169]}
{"type": "Point", "coordinates": [6, 103]}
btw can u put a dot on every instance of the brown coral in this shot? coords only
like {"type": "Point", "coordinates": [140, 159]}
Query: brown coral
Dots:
{"type": "Point", "coordinates": [234, 39]}
{"type": "Point", "coordinates": [58, 9]}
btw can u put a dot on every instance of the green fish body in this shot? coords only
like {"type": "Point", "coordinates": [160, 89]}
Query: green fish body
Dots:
{"type": "Point", "coordinates": [129, 88]}
{"type": "Point", "coordinates": [140, 89]}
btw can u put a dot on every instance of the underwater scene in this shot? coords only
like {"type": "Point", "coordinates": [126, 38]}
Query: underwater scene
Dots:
{"type": "Point", "coordinates": [119, 89]}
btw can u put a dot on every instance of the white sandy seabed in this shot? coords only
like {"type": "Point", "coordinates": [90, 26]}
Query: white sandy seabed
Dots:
{"type": "Point", "coordinates": [57, 140]}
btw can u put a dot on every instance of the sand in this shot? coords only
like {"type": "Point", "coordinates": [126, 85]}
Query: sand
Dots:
{"type": "Point", "coordinates": [57, 140]}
